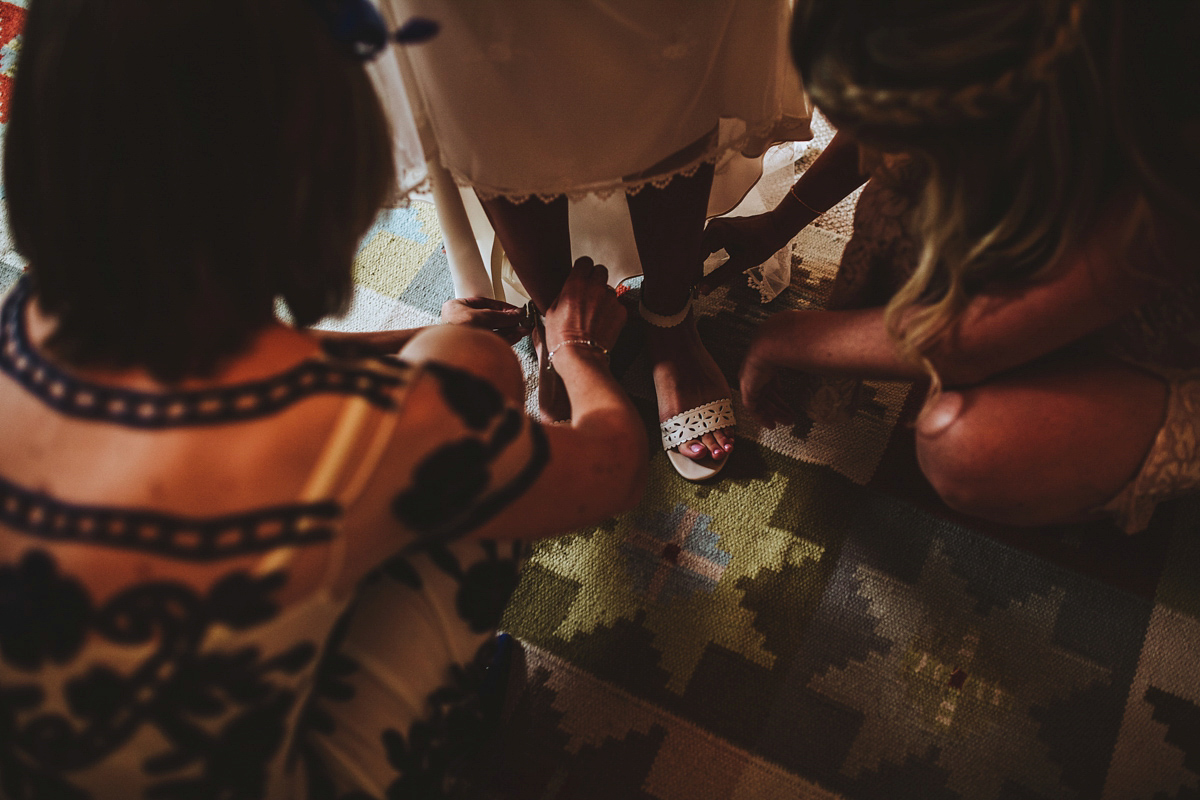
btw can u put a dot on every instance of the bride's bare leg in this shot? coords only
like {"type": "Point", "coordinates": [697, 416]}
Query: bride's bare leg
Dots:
{"type": "Point", "coordinates": [537, 240]}
{"type": "Point", "coordinates": [668, 224]}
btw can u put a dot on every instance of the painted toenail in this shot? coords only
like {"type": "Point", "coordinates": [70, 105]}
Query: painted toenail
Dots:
{"type": "Point", "coordinates": [697, 448]}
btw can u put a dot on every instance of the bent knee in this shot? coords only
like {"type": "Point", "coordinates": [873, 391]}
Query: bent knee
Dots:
{"type": "Point", "coordinates": [971, 465]}
{"type": "Point", "coordinates": [479, 352]}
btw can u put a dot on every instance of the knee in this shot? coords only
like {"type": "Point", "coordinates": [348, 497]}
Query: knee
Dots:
{"type": "Point", "coordinates": [963, 459]}
{"type": "Point", "coordinates": [479, 352]}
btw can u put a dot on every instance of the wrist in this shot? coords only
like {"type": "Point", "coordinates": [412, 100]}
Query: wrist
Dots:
{"type": "Point", "coordinates": [577, 349]}
{"type": "Point", "coordinates": [780, 333]}
{"type": "Point", "coordinates": [793, 213]}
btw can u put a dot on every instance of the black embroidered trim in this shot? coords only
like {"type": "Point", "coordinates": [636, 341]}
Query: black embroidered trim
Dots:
{"type": "Point", "coordinates": [495, 502]}
{"type": "Point", "coordinates": [137, 409]}
{"type": "Point", "coordinates": [187, 538]}
{"type": "Point", "coordinates": [224, 713]}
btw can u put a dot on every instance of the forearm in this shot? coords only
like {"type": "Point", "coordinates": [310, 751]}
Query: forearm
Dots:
{"type": "Point", "coordinates": [597, 400]}
{"type": "Point", "coordinates": [606, 437]}
{"type": "Point", "coordinates": [830, 179]}
{"type": "Point", "coordinates": [854, 343]}
{"type": "Point", "coordinates": [382, 342]}
{"type": "Point", "coordinates": [994, 333]}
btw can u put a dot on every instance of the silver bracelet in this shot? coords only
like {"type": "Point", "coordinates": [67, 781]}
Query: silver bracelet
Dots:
{"type": "Point", "coordinates": [578, 343]}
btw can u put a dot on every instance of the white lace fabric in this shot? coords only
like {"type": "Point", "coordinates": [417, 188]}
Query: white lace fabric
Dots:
{"type": "Point", "coordinates": [539, 98]}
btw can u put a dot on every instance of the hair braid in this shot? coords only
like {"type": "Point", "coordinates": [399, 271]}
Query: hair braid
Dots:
{"type": "Point", "coordinates": [842, 98]}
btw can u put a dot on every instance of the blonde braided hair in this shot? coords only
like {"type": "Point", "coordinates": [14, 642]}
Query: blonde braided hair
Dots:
{"type": "Point", "coordinates": [840, 97]}
{"type": "Point", "coordinates": [1011, 166]}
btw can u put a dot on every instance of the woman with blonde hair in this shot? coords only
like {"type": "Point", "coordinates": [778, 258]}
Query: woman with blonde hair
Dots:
{"type": "Point", "coordinates": [1029, 245]}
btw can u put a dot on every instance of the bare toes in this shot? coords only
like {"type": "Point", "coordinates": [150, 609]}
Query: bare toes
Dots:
{"type": "Point", "coordinates": [724, 439]}
{"type": "Point", "coordinates": [714, 449]}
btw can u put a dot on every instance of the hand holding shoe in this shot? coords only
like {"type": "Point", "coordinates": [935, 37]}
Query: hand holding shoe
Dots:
{"type": "Point", "coordinates": [506, 320]}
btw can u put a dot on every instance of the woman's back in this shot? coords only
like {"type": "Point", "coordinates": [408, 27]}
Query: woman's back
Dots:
{"type": "Point", "coordinates": [173, 562]}
{"type": "Point", "coordinates": [166, 580]}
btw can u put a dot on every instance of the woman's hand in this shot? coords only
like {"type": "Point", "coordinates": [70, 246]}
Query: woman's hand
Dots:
{"type": "Point", "coordinates": [762, 390]}
{"type": "Point", "coordinates": [587, 308]}
{"type": "Point", "coordinates": [504, 319]}
{"type": "Point", "coordinates": [749, 241]}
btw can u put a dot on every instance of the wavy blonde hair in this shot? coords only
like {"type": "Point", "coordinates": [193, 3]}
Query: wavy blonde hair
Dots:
{"type": "Point", "coordinates": [1000, 104]}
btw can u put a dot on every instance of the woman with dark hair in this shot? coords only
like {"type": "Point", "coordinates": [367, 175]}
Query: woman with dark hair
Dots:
{"type": "Point", "coordinates": [1028, 245]}
{"type": "Point", "coordinates": [191, 492]}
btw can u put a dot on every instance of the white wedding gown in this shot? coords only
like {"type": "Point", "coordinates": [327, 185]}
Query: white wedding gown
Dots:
{"type": "Point", "coordinates": [589, 99]}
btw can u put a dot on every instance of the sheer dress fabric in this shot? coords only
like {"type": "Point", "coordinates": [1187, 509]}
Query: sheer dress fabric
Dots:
{"type": "Point", "coordinates": [522, 98]}
{"type": "Point", "coordinates": [188, 579]}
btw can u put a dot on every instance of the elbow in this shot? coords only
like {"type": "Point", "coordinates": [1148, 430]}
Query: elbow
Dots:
{"type": "Point", "coordinates": [962, 372]}
{"type": "Point", "coordinates": [959, 365]}
{"type": "Point", "coordinates": [962, 377]}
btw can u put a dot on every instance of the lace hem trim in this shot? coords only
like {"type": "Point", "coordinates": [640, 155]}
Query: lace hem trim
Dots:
{"type": "Point", "coordinates": [402, 193]}
{"type": "Point", "coordinates": [769, 134]}
{"type": "Point", "coordinates": [1172, 467]}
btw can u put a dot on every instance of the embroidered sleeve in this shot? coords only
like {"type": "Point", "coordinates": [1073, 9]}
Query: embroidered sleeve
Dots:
{"type": "Point", "coordinates": [489, 454]}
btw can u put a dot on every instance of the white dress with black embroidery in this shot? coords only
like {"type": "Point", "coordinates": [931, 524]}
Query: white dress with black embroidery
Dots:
{"type": "Point", "coordinates": [153, 645]}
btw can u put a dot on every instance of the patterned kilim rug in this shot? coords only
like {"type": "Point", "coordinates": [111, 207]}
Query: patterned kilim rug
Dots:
{"type": "Point", "coordinates": [814, 624]}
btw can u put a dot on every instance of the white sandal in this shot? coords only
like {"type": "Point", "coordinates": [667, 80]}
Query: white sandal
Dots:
{"type": "Point", "coordinates": [690, 425]}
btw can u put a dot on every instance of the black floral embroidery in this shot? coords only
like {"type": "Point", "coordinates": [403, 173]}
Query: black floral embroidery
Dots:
{"type": "Point", "coordinates": [373, 379]}
{"type": "Point", "coordinates": [15, 780]}
{"type": "Point", "coordinates": [186, 538]}
{"type": "Point", "coordinates": [222, 713]}
{"type": "Point", "coordinates": [433, 758]}
{"type": "Point", "coordinates": [401, 570]}
{"type": "Point", "coordinates": [475, 400]}
{"type": "Point", "coordinates": [43, 616]}
{"type": "Point", "coordinates": [444, 484]}
{"type": "Point", "coordinates": [448, 497]}
{"type": "Point", "coordinates": [330, 681]}
{"type": "Point", "coordinates": [484, 588]}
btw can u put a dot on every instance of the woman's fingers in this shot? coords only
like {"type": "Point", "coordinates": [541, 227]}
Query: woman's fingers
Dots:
{"type": "Point", "coordinates": [600, 274]}
{"type": "Point", "coordinates": [488, 303]}
{"type": "Point", "coordinates": [497, 319]}
{"type": "Point", "coordinates": [587, 307]}
{"type": "Point", "coordinates": [753, 383]}
{"type": "Point", "coordinates": [513, 335]}
{"type": "Point", "coordinates": [717, 236]}
{"type": "Point", "coordinates": [778, 407]}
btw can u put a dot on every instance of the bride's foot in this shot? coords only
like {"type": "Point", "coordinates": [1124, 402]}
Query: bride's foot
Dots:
{"type": "Point", "coordinates": [553, 403]}
{"type": "Point", "coordinates": [686, 378]}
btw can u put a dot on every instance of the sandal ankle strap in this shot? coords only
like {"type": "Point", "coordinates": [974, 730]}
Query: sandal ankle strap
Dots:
{"type": "Point", "coordinates": [665, 320]}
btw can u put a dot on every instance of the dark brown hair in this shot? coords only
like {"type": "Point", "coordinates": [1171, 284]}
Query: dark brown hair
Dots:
{"type": "Point", "coordinates": [173, 167]}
